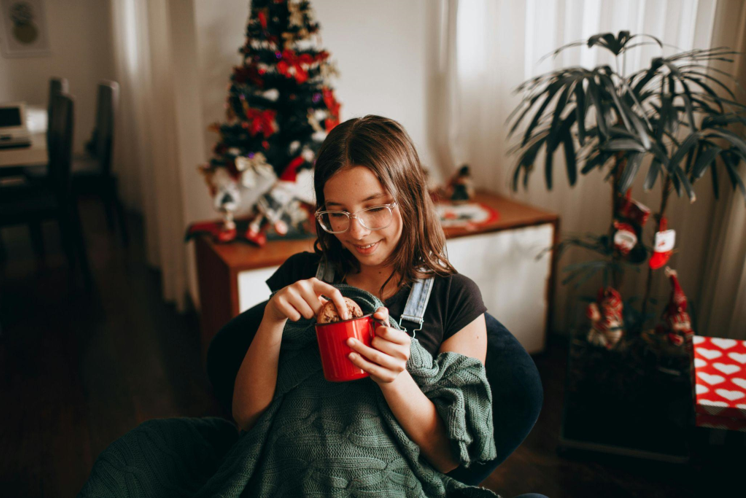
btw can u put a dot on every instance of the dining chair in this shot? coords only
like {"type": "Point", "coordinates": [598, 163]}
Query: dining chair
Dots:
{"type": "Point", "coordinates": [92, 173]}
{"type": "Point", "coordinates": [50, 197]}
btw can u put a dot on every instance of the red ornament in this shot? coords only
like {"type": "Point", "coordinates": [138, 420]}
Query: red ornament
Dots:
{"type": "Point", "coordinates": [261, 121]}
{"type": "Point", "coordinates": [607, 325]}
{"type": "Point", "coordinates": [290, 174]}
{"type": "Point", "coordinates": [333, 106]}
{"type": "Point", "coordinates": [675, 322]}
{"type": "Point", "coordinates": [265, 144]}
{"type": "Point", "coordinates": [262, 19]}
{"type": "Point", "coordinates": [633, 210]}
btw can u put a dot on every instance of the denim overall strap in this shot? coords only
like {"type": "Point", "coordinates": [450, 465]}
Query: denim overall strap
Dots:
{"type": "Point", "coordinates": [414, 310]}
{"type": "Point", "coordinates": [325, 272]}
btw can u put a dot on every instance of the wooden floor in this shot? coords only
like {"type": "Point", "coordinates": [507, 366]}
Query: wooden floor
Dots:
{"type": "Point", "coordinates": [78, 370]}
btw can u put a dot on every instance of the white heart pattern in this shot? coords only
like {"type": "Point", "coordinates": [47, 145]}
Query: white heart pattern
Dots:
{"type": "Point", "coordinates": [698, 339]}
{"type": "Point", "coordinates": [699, 363]}
{"type": "Point", "coordinates": [701, 389]}
{"type": "Point", "coordinates": [713, 407]}
{"type": "Point", "coordinates": [710, 354]}
{"type": "Point", "coordinates": [727, 369]}
{"type": "Point", "coordinates": [739, 382]}
{"type": "Point", "coordinates": [730, 395]}
{"type": "Point", "coordinates": [742, 407]}
{"type": "Point", "coordinates": [711, 379]}
{"type": "Point", "coordinates": [740, 358]}
{"type": "Point", "coordinates": [724, 343]}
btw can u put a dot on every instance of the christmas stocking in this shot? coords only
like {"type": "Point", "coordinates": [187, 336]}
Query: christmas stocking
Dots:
{"type": "Point", "coordinates": [664, 243]}
{"type": "Point", "coordinates": [607, 325]}
{"type": "Point", "coordinates": [631, 217]}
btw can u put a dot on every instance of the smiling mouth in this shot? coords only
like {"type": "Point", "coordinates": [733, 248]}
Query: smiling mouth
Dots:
{"type": "Point", "coordinates": [367, 249]}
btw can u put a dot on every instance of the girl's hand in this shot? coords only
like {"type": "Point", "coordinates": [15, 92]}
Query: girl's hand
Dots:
{"type": "Point", "coordinates": [388, 356]}
{"type": "Point", "coordinates": [303, 299]}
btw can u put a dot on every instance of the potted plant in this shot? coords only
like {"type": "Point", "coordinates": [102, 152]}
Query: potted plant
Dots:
{"type": "Point", "coordinates": [670, 122]}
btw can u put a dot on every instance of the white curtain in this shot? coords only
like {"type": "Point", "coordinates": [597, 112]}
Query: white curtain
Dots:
{"type": "Point", "coordinates": [486, 48]}
{"type": "Point", "coordinates": [147, 150]}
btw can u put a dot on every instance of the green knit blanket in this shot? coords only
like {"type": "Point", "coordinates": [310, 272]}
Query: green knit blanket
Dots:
{"type": "Point", "coordinates": [316, 438]}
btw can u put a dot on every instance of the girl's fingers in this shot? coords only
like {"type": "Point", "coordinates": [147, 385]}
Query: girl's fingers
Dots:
{"type": "Point", "coordinates": [376, 371]}
{"type": "Point", "coordinates": [382, 314]}
{"type": "Point", "coordinates": [398, 351]}
{"type": "Point", "coordinates": [393, 335]}
{"type": "Point", "coordinates": [285, 308]}
{"type": "Point", "coordinates": [299, 302]}
{"type": "Point", "coordinates": [378, 357]}
{"type": "Point", "coordinates": [322, 288]}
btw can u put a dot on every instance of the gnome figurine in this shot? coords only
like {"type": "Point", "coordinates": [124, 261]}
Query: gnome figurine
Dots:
{"type": "Point", "coordinates": [675, 322]}
{"type": "Point", "coordinates": [607, 325]}
{"type": "Point", "coordinates": [226, 200]}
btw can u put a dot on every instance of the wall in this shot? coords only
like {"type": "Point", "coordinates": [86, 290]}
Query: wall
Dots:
{"type": "Point", "coordinates": [80, 41]}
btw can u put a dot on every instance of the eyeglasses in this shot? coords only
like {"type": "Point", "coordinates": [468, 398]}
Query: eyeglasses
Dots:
{"type": "Point", "coordinates": [372, 218]}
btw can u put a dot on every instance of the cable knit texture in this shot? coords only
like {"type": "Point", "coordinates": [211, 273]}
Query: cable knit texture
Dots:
{"type": "Point", "coordinates": [316, 438]}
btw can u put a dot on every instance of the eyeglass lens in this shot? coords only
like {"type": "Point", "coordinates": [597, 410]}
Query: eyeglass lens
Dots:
{"type": "Point", "coordinates": [374, 218]}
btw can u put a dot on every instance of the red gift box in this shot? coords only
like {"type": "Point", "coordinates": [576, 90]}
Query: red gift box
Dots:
{"type": "Point", "coordinates": [720, 373]}
{"type": "Point", "coordinates": [714, 422]}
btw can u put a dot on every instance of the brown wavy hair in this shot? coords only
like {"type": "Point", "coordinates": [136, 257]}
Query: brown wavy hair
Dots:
{"type": "Point", "coordinates": [384, 147]}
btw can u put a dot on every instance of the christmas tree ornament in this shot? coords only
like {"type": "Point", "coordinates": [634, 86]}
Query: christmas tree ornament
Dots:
{"type": "Point", "coordinates": [675, 323]}
{"type": "Point", "coordinates": [625, 238]}
{"type": "Point", "coordinates": [632, 211]}
{"type": "Point", "coordinates": [630, 215]}
{"type": "Point", "coordinates": [663, 247]}
{"type": "Point", "coordinates": [607, 324]}
{"type": "Point", "coordinates": [279, 109]}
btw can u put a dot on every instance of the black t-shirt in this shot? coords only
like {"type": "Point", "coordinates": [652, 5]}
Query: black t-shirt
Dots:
{"type": "Point", "coordinates": [455, 300]}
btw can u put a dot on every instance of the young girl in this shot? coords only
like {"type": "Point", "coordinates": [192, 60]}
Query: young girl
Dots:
{"type": "Point", "coordinates": [377, 231]}
{"type": "Point", "coordinates": [426, 407]}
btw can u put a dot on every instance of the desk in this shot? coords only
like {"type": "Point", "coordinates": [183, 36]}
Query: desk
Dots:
{"type": "Point", "coordinates": [26, 156]}
{"type": "Point", "coordinates": [501, 257]}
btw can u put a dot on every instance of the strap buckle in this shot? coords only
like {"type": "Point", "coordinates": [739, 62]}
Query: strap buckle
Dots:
{"type": "Point", "coordinates": [421, 321]}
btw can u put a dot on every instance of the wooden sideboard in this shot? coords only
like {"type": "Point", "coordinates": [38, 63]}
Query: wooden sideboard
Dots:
{"type": "Point", "coordinates": [501, 257]}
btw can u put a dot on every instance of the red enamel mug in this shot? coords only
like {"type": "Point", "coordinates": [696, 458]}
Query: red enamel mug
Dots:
{"type": "Point", "coordinates": [334, 350]}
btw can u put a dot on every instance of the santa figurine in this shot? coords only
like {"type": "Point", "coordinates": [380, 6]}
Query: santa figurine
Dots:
{"type": "Point", "coordinates": [226, 198]}
{"type": "Point", "coordinates": [607, 324]}
{"type": "Point", "coordinates": [675, 323]}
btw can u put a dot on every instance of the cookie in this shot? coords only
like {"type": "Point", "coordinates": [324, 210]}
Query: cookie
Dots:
{"type": "Point", "coordinates": [329, 314]}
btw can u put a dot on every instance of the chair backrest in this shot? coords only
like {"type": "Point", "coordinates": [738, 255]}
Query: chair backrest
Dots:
{"type": "Point", "coordinates": [60, 143]}
{"type": "Point", "coordinates": [107, 103]}
{"type": "Point", "coordinates": [56, 86]}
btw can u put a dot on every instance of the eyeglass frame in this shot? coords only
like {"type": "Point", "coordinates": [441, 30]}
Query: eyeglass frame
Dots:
{"type": "Point", "coordinates": [350, 216]}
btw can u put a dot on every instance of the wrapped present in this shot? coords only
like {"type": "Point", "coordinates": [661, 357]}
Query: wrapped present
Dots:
{"type": "Point", "coordinates": [725, 423]}
{"type": "Point", "coordinates": [720, 373]}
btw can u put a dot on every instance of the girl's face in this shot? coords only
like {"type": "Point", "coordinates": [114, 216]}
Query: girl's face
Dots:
{"type": "Point", "coordinates": [354, 189]}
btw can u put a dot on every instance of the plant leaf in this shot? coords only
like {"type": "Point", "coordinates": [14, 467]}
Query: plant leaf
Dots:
{"type": "Point", "coordinates": [634, 161]}
{"type": "Point", "coordinates": [735, 178]}
{"type": "Point", "coordinates": [624, 144]}
{"type": "Point", "coordinates": [550, 92]}
{"type": "Point", "coordinates": [704, 160]}
{"type": "Point", "coordinates": [684, 148]}
{"type": "Point", "coordinates": [652, 176]}
{"type": "Point", "coordinates": [580, 110]}
{"type": "Point", "coordinates": [570, 162]}
{"type": "Point", "coordinates": [595, 95]}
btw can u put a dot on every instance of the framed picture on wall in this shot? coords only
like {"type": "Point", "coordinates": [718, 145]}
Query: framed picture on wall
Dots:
{"type": "Point", "coordinates": [23, 28]}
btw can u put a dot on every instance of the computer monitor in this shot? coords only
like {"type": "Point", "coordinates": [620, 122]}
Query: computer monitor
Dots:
{"type": "Point", "coordinates": [13, 119]}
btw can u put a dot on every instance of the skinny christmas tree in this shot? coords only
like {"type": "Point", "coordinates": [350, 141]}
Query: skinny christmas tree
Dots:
{"type": "Point", "coordinates": [280, 107]}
